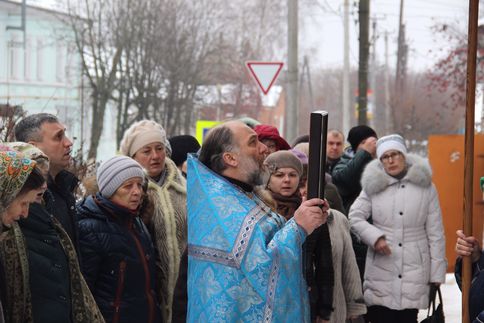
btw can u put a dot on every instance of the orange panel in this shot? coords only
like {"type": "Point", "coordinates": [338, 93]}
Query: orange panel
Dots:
{"type": "Point", "coordinates": [446, 155]}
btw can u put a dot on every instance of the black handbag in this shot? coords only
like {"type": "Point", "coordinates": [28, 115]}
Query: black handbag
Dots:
{"type": "Point", "coordinates": [437, 315]}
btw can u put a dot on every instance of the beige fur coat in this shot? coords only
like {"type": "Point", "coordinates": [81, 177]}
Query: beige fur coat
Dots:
{"type": "Point", "coordinates": [167, 223]}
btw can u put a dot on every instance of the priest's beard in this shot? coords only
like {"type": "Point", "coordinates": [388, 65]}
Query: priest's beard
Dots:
{"type": "Point", "coordinates": [252, 170]}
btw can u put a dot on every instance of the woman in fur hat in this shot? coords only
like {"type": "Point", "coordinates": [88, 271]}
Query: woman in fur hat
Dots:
{"type": "Point", "coordinates": [335, 285]}
{"type": "Point", "coordinates": [285, 172]}
{"type": "Point", "coordinates": [145, 141]}
{"type": "Point", "coordinates": [406, 240]}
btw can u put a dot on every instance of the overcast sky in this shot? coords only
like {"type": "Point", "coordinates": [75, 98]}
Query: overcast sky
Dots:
{"type": "Point", "coordinates": [321, 29]}
{"type": "Point", "coordinates": [321, 35]}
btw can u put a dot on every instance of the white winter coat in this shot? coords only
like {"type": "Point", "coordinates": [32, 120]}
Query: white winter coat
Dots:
{"type": "Point", "coordinates": [407, 213]}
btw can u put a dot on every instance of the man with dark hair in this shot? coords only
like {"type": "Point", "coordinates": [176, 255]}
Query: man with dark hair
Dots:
{"type": "Point", "coordinates": [45, 131]}
{"type": "Point", "coordinates": [181, 146]}
{"type": "Point", "coordinates": [245, 261]}
{"type": "Point", "coordinates": [347, 172]}
{"type": "Point", "coordinates": [334, 149]}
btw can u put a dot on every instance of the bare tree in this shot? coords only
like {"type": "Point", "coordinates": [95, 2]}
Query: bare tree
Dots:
{"type": "Point", "coordinates": [424, 108]}
{"type": "Point", "coordinates": [180, 45]}
{"type": "Point", "coordinates": [98, 35]}
{"type": "Point", "coordinates": [172, 44]}
{"type": "Point", "coordinates": [450, 71]}
{"type": "Point", "coordinates": [149, 57]}
{"type": "Point", "coordinates": [9, 116]}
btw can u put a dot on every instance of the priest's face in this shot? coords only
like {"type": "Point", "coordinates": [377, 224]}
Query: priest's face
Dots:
{"type": "Point", "coordinates": [250, 153]}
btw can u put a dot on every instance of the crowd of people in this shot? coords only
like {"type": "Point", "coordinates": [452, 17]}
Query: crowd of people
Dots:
{"type": "Point", "coordinates": [171, 231]}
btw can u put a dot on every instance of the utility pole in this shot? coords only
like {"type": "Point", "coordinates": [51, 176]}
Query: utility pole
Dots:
{"type": "Point", "coordinates": [399, 49]}
{"type": "Point", "coordinates": [364, 18]}
{"type": "Point", "coordinates": [401, 65]}
{"type": "Point", "coordinates": [372, 73]}
{"type": "Point", "coordinates": [388, 114]}
{"type": "Point", "coordinates": [346, 69]}
{"type": "Point", "coordinates": [306, 97]}
{"type": "Point", "coordinates": [306, 76]}
{"type": "Point", "coordinates": [291, 117]}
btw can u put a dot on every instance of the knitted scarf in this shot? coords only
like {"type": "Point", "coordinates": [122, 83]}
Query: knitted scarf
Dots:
{"type": "Point", "coordinates": [18, 307]}
{"type": "Point", "coordinates": [287, 205]}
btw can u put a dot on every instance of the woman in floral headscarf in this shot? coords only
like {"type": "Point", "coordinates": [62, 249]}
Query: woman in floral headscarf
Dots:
{"type": "Point", "coordinates": [56, 290]}
{"type": "Point", "coordinates": [20, 181]}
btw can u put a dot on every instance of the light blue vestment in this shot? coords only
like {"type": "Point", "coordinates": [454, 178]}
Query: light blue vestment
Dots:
{"type": "Point", "coordinates": [245, 261]}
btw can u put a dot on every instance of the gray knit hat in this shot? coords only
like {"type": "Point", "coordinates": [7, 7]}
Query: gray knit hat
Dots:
{"type": "Point", "coordinates": [282, 159]}
{"type": "Point", "coordinates": [114, 172]}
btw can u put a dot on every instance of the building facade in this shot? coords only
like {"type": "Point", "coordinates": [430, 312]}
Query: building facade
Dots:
{"type": "Point", "coordinates": [40, 71]}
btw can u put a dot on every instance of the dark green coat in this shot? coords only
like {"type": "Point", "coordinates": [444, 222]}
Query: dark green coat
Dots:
{"type": "Point", "coordinates": [347, 175]}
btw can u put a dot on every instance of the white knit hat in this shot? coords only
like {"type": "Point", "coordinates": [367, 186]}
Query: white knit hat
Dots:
{"type": "Point", "coordinates": [114, 172]}
{"type": "Point", "coordinates": [390, 142]}
{"type": "Point", "coordinates": [140, 134]}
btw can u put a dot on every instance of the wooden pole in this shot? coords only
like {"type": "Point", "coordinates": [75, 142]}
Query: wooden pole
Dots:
{"type": "Point", "coordinates": [469, 150]}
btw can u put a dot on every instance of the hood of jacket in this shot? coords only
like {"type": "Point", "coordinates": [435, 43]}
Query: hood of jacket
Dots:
{"type": "Point", "coordinates": [64, 180]}
{"type": "Point", "coordinates": [348, 154]}
{"type": "Point", "coordinates": [87, 208]}
{"type": "Point", "coordinates": [375, 179]}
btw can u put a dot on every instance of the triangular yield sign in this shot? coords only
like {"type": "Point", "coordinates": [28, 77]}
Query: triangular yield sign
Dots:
{"type": "Point", "coordinates": [265, 73]}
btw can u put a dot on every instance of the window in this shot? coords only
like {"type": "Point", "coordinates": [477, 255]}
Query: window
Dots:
{"type": "Point", "coordinates": [70, 71]}
{"type": "Point", "coordinates": [40, 59]}
{"type": "Point", "coordinates": [27, 59]}
{"type": "Point", "coordinates": [60, 62]}
{"type": "Point", "coordinates": [14, 59]}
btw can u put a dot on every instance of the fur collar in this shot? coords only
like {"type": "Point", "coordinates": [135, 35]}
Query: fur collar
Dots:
{"type": "Point", "coordinates": [375, 179]}
{"type": "Point", "coordinates": [173, 178]}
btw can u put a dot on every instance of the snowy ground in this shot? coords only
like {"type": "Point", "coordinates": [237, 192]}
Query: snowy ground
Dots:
{"type": "Point", "coordinates": [452, 301]}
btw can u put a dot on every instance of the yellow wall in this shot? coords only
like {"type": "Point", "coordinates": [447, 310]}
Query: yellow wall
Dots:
{"type": "Point", "coordinates": [446, 155]}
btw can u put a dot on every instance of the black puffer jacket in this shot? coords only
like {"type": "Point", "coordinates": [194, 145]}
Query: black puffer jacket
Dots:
{"type": "Point", "coordinates": [118, 261]}
{"type": "Point", "coordinates": [48, 268]}
{"type": "Point", "coordinates": [60, 202]}
{"type": "Point", "coordinates": [476, 293]}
